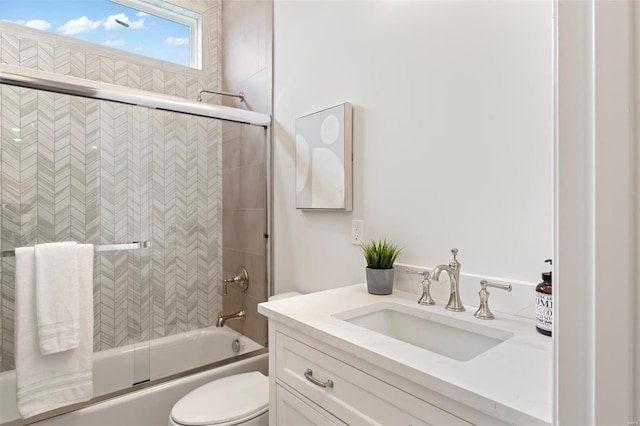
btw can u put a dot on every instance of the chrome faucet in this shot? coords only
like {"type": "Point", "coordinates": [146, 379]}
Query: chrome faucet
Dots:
{"type": "Point", "coordinates": [224, 318]}
{"type": "Point", "coordinates": [453, 270]}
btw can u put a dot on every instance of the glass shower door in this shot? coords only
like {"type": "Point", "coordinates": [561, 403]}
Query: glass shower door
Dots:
{"type": "Point", "coordinates": [186, 233]}
{"type": "Point", "coordinates": [122, 277]}
{"type": "Point", "coordinates": [76, 169]}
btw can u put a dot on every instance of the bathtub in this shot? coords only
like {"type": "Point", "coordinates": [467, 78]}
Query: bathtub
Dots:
{"type": "Point", "coordinates": [119, 368]}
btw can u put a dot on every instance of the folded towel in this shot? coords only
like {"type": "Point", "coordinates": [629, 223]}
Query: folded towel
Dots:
{"type": "Point", "coordinates": [57, 303]}
{"type": "Point", "coordinates": [46, 382]}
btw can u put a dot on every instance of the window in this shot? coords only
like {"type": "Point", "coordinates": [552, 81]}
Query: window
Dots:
{"type": "Point", "coordinates": [156, 29]}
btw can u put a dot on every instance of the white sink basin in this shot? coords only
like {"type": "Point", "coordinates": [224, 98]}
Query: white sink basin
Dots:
{"type": "Point", "coordinates": [454, 338]}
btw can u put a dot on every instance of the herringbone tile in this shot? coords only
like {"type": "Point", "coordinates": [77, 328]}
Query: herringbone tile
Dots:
{"type": "Point", "coordinates": [46, 57]}
{"type": "Point", "coordinates": [121, 231]}
{"type": "Point", "coordinates": [191, 231]}
{"type": "Point", "coordinates": [62, 61]}
{"type": "Point", "coordinates": [101, 173]}
{"type": "Point", "coordinates": [92, 67]}
{"type": "Point", "coordinates": [107, 70]}
{"type": "Point", "coordinates": [28, 166]}
{"type": "Point", "coordinates": [8, 314]}
{"type": "Point", "coordinates": [46, 167]}
{"type": "Point", "coordinates": [77, 64]}
{"type": "Point", "coordinates": [121, 73]}
{"type": "Point", "coordinates": [78, 171]}
{"type": "Point", "coordinates": [62, 167]}
{"type": "Point", "coordinates": [204, 276]}
{"type": "Point", "coordinates": [145, 179]}
{"type": "Point", "coordinates": [10, 48]}
{"type": "Point", "coordinates": [134, 76]}
{"type": "Point", "coordinates": [158, 230]}
{"type": "Point", "coordinates": [10, 214]}
{"type": "Point", "coordinates": [181, 218]}
{"type": "Point", "coordinates": [170, 279]}
{"type": "Point", "coordinates": [28, 53]}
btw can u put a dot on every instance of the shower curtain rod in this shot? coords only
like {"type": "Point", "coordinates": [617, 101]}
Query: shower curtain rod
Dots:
{"type": "Point", "coordinates": [40, 80]}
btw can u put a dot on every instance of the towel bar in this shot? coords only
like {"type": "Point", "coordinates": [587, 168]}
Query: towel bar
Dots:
{"type": "Point", "coordinates": [101, 247]}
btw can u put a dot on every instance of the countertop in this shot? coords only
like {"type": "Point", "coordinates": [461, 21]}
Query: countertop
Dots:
{"type": "Point", "coordinates": [511, 381]}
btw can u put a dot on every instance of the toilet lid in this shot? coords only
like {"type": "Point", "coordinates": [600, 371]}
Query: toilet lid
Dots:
{"type": "Point", "coordinates": [224, 400]}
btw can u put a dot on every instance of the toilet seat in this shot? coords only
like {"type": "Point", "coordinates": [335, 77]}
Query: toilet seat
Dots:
{"type": "Point", "coordinates": [227, 401]}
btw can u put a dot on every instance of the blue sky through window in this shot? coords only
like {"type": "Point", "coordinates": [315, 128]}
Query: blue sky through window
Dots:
{"type": "Point", "coordinates": [104, 22]}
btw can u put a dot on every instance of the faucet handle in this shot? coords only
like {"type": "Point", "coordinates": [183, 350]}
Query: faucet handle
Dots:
{"type": "Point", "coordinates": [242, 279]}
{"type": "Point", "coordinates": [425, 299]}
{"type": "Point", "coordinates": [416, 272]}
{"type": "Point", "coordinates": [454, 264]}
{"type": "Point", "coordinates": [484, 284]}
{"type": "Point", "coordinates": [483, 311]}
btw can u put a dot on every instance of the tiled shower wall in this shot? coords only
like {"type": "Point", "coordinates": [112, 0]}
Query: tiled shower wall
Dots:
{"type": "Point", "coordinates": [100, 172]}
{"type": "Point", "coordinates": [246, 66]}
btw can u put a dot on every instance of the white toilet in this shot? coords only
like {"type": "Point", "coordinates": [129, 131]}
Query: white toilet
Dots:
{"type": "Point", "coordinates": [242, 399]}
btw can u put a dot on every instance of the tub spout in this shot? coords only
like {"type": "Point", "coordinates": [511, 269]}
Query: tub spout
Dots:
{"type": "Point", "coordinates": [224, 318]}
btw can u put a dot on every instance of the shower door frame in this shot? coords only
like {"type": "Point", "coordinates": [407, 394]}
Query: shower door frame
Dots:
{"type": "Point", "coordinates": [48, 82]}
{"type": "Point", "coordinates": [73, 86]}
{"type": "Point", "coordinates": [79, 87]}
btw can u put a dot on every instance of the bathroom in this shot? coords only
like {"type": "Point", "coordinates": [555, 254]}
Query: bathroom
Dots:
{"type": "Point", "coordinates": [469, 129]}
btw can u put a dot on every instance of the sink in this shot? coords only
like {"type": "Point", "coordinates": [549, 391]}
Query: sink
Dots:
{"type": "Point", "coordinates": [451, 337]}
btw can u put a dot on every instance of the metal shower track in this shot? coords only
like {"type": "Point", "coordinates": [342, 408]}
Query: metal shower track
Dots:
{"type": "Point", "coordinates": [39, 80]}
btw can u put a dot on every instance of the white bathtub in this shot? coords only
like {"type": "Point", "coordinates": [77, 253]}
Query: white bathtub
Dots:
{"type": "Point", "coordinates": [119, 368]}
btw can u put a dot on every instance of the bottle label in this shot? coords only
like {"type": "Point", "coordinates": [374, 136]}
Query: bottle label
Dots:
{"type": "Point", "coordinates": [544, 311]}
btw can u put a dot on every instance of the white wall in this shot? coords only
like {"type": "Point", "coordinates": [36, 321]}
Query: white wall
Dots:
{"type": "Point", "coordinates": [452, 134]}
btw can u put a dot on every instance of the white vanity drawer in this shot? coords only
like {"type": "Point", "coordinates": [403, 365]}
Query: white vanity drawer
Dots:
{"type": "Point", "coordinates": [356, 397]}
{"type": "Point", "coordinates": [292, 411]}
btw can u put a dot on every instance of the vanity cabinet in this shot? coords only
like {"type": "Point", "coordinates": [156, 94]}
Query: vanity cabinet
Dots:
{"type": "Point", "coordinates": [309, 384]}
{"type": "Point", "coordinates": [327, 368]}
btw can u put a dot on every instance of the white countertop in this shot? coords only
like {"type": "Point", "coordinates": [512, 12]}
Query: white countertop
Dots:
{"type": "Point", "coordinates": [511, 381]}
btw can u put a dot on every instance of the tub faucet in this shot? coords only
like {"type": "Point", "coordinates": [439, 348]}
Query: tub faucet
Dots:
{"type": "Point", "coordinates": [241, 279]}
{"type": "Point", "coordinates": [453, 270]}
{"type": "Point", "coordinates": [224, 318]}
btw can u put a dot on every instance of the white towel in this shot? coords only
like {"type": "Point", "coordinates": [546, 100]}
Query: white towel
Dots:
{"type": "Point", "coordinates": [57, 300]}
{"type": "Point", "coordinates": [46, 382]}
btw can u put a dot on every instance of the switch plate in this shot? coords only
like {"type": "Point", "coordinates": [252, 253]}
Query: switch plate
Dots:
{"type": "Point", "coordinates": [356, 232]}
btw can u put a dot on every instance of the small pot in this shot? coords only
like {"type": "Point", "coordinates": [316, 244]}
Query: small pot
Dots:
{"type": "Point", "coordinates": [380, 281]}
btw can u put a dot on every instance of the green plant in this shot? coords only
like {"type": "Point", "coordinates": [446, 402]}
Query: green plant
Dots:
{"type": "Point", "coordinates": [381, 254]}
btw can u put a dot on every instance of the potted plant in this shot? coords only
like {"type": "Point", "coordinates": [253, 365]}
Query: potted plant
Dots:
{"type": "Point", "coordinates": [380, 257]}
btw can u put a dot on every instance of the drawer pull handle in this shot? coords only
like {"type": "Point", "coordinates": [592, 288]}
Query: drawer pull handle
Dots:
{"type": "Point", "coordinates": [309, 375]}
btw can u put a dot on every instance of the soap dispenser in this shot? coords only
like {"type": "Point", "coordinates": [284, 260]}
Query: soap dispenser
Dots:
{"type": "Point", "coordinates": [544, 304]}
